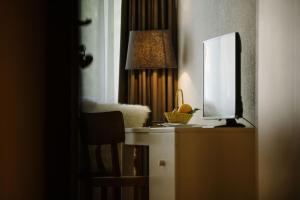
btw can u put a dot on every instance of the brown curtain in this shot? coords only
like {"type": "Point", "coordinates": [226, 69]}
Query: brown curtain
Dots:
{"type": "Point", "coordinates": [155, 88]}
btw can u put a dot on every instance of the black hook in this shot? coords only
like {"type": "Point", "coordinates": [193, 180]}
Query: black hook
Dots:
{"type": "Point", "coordinates": [84, 22]}
{"type": "Point", "coordinates": [84, 59]}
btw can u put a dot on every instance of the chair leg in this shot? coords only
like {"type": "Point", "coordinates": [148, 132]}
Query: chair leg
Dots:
{"type": "Point", "coordinates": [89, 192]}
{"type": "Point", "coordinates": [145, 193]}
{"type": "Point", "coordinates": [85, 191]}
{"type": "Point", "coordinates": [116, 193]}
{"type": "Point", "coordinates": [104, 193]}
{"type": "Point", "coordinates": [135, 193]}
{"type": "Point", "coordinates": [141, 193]}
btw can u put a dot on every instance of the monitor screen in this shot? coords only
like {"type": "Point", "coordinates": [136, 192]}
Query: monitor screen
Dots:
{"type": "Point", "coordinates": [219, 76]}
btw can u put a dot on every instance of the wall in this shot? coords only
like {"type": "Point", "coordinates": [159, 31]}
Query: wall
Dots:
{"type": "Point", "coordinates": [278, 99]}
{"type": "Point", "coordinates": [21, 102]}
{"type": "Point", "coordinates": [199, 20]}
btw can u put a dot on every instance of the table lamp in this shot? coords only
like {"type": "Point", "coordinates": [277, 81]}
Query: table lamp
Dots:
{"type": "Point", "coordinates": [150, 49]}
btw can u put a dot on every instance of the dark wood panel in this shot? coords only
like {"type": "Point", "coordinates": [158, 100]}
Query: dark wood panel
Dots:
{"type": "Point", "coordinates": [215, 163]}
{"type": "Point", "coordinates": [61, 98]}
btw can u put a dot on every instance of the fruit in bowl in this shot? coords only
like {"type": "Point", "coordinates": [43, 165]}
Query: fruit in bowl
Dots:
{"type": "Point", "coordinates": [187, 108]}
{"type": "Point", "coordinates": [181, 115]}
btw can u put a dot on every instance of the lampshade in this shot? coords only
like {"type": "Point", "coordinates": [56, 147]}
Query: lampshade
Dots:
{"type": "Point", "coordinates": [150, 50]}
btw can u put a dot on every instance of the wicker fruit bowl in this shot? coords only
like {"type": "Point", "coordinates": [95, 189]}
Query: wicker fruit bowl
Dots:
{"type": "Point", "coordinates": [182, 112]}
{"type": "Point", "coordinates": [177, 117]}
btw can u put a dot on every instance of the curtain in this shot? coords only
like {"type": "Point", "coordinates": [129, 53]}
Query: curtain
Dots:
{"type": "Point", "coordinates": [100, 80]}
{"type": "Point", "coordinates": [155, 88]}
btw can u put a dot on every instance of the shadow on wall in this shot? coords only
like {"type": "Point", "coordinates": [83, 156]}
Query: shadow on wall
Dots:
{"type": "Point", "coordinates": [185, 50]}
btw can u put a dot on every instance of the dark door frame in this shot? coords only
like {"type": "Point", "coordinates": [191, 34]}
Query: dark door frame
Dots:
{"type": "Point", "coordinates": [61, 99]}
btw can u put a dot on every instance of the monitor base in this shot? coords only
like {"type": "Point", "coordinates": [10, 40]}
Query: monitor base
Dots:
{"type": "Point", "coordinates": [231, 123]}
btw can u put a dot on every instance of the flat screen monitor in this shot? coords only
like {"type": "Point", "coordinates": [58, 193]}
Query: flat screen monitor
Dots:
{"type": "Point", "coordinates": [219, 75]}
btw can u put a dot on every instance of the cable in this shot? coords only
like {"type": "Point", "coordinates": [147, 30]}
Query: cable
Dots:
{"type": "Point", "coordinates": [249, 122]}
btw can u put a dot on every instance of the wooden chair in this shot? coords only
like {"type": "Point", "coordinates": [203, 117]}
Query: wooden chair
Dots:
{"type": "Point", "coordinates": [102, 129]}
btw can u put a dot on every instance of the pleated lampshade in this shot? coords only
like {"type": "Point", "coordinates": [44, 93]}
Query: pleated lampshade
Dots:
{"type": "Point", "coordinates": [150, 50]}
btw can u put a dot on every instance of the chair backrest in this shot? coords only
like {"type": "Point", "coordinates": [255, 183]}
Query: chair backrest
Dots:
{"type": "Point", "coordinates": [100, 129]}
{"type": "Point", "coordinates": [103, 128]}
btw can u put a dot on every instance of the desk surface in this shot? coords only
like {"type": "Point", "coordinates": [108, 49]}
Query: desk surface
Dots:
{"type": "Point", "coordinates": [175, 129]}
{"type": "Point", "coordinates": [150, 130]}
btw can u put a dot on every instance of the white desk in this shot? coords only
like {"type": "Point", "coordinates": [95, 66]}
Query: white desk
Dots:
{"type": "Point", "coordinates": [198, 163]}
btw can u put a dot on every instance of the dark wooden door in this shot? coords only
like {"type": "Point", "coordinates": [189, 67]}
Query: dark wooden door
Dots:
{"type": "Point", "coordinates": [61, 99]}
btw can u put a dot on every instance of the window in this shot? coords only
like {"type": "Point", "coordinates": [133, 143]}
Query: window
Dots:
{"type": "Point", "coordinates": [101, 38]}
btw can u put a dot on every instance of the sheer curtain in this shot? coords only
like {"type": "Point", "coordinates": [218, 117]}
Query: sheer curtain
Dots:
{"type": "Point", "coordinates": [100, 80]}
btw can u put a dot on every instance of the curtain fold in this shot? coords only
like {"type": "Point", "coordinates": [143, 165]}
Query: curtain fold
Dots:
{"type": "Point", "coordinates": [155, 88]}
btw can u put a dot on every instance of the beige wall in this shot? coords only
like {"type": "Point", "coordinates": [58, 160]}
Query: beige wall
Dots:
{"type": "Point", "coordinates": [278, 99]}
{"type": "Point", "coordinates": [199, 20]}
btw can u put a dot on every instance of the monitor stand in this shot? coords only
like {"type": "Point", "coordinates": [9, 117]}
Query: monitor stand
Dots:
{"type": "Point", "coordinates": [231, 123]}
